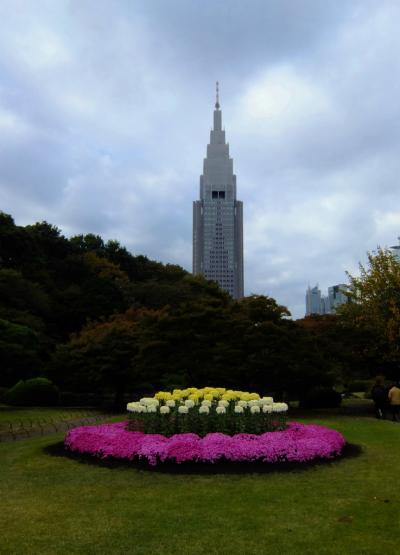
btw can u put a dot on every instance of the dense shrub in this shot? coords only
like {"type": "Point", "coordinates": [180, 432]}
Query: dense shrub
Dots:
{"type": "Point", "coordinates": [321, 398]}
{"type": "Point", "coordinates": [36, 391]}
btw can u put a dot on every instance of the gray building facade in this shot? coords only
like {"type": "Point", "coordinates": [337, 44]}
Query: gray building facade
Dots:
{"type": "Point", "coordinates": [316, 303]}
{"type": "Point", "coordinates": [218, 217]}
{"type": "Point", "coordinates": [396, 249]}
{"type": "Point", "coordinates": [337, 296]}
{"type": "Point", "coordinates": [313, 301]}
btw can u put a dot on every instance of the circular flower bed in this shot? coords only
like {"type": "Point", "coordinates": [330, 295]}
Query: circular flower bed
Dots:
{"type": "Point", "coordinates": [296, 443]}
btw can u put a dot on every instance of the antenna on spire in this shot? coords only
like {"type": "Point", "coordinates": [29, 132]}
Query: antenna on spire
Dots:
{"type": "Point", "coordinates": [217, 96]}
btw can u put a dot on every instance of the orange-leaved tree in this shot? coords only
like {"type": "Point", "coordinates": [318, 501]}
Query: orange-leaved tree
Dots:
{"type": "Point", "coordinates": [374, 306]}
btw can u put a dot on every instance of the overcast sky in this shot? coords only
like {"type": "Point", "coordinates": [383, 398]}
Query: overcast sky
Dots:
{"type": "Point", "coordinates": [106, 107]}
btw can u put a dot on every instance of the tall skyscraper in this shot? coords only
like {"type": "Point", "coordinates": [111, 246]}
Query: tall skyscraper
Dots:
{"type": "Point", "coordinates": [313, 301]}
{"type": "Point", "coordinates": [218, 216]}
{"type": "Point", "coordinates": [316, 303]}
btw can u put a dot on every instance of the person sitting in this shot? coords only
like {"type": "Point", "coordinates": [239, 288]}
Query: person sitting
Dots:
{"type": "Point", "coordinates": [394, 400]}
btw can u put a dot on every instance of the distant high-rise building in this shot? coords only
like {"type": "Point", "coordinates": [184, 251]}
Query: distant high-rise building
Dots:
{"type": "Point", "coordinates": [218, 216]}
{"type": "Point", "coordinates": [313, 300]}
{"type": "Point", "coordinates": [396, 249]}
{"type": "Point", "coordinates": [325, 305]}
{"type": "Point", "coordinates": [337, 296]}
{"type": "Point", "coordinates": [320, 304]}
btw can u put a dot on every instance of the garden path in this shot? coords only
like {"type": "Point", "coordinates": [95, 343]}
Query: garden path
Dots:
{"type": "Point", "coordinates": [23, 429]}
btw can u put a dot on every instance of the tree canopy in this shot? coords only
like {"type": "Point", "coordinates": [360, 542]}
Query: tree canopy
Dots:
{"type": "Point", "coordinates": [374, 308]}
{"type": "Point", "coordinates": [95, 318]}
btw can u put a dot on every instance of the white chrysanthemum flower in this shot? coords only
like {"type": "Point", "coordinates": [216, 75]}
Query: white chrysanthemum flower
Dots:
{"type": "Point", "coordinates": [183, 409]}
{"type": "Point", "coordinates": [239, 409]}
{"type": "Point", "coordinates": [206, 403]}
{"type": "Point", "coordinates": [189, 403]}
{"type": "Point", "coordinates": [253, 403]}
{"type": "Point", "coordinates": [280, 407]}
{"type": "Point", "coordinates": [267, 400]}
{"type": "Point", "coordinates": [267, 409]}
{"type": "Point", "coordinates": [131, 407]}
{"type": "Point", "coordinates": [170, 403]}
{"type": "Point", "coordinates": [204, 409]}
{"type": "Point", "coordinates": [165, 409]}
{"type": "Point", "coordinates": [151, 408]}
{"type": "Point", "coordinates": [242, 404]}
{"type": "Point", "coordinates": [220, 410]}
{"type": "Point", "coordinates": [223, 403]}
{"type": "Point", "coordinates": [254, 409]}
{"type": "Point", "coordinates": [146, 401]}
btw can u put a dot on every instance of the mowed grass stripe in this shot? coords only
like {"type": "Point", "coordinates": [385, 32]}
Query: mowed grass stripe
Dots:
{"type": "Point", "coordinates": [59, 505]}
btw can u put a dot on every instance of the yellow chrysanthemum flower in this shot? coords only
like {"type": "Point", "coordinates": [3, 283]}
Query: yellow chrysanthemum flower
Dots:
{"type": "Point", "coordinates": [163, 395]}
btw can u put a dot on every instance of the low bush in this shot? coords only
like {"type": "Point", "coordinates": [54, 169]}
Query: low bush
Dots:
{"type": "Point", "coordinates": [33, 392]}
{"type": "Point", "coordinates": [321, 398]}
{"type": "Point", "coordinates": [297, 443]}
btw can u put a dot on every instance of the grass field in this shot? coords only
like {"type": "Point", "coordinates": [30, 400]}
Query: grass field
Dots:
{"type": "Point", "coordinates": [55, 505]}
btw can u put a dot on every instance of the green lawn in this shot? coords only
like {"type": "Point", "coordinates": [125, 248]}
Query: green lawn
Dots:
{"type": "Point", "coordinates": [55, 505]}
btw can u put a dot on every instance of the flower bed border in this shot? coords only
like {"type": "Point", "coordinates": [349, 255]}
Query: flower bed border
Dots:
{"type": "Point", "coordinates": [298, 443]}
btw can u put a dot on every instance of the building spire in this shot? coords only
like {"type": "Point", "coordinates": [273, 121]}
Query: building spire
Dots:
{"type": "Point", "coordinates": [217, 96]}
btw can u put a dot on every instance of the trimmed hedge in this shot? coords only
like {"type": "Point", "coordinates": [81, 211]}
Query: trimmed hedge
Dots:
{"type": "Point", "coordinates": [33, 392]}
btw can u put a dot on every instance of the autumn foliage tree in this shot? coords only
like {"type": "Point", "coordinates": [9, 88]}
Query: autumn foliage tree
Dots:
{"type": "Point", "coordinates": [374, 308]}
{"type": "Point", "coordinates": [101, 358]}
{"type": "Point", "coordinates": [52, 286]}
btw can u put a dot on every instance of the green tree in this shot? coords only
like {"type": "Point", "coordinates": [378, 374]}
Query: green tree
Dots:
{"type": "Point", "coordinates": [93, 288]}
{"type": "Point", "coordinates": [19, 352]}
{"type": "Point", "coordinates": [101, 358]}
{"type": "Point", "coordinates": [88, 243]}
{"type": "Point", "coordinates": [374, 308]}
{"type": "Point", "coordinates": [23, 301]}
{"type": "Point", "coordinates": [342, 345]}
{"type": "Point", "coordinates": [260, 308]}
{"type": "Point", "coordinates": [210, 342]}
